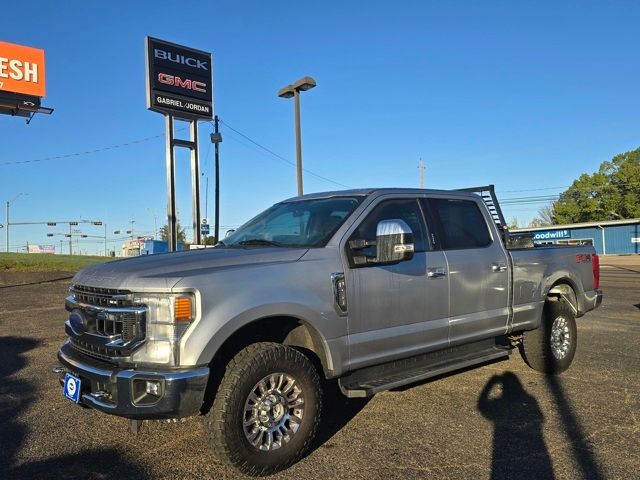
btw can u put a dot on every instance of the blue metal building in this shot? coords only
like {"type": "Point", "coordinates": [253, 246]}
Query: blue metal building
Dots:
{"type": "Point", "coordinates": [612, 237]}
{"type": "Point", "coordinates": [150, 247]}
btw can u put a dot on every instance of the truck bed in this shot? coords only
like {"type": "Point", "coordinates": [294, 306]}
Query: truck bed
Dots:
{"type": "Point", "coordinates": [537, 270]}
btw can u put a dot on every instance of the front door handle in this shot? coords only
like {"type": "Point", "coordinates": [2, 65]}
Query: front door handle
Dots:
{"type": "Point", "coordinates": [498, 267]}
{"type": "Point", "coordinates": [436, 272]}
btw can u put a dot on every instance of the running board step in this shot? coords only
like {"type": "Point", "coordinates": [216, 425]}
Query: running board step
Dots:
{"type": "Point", "coordinates": [361, 384]}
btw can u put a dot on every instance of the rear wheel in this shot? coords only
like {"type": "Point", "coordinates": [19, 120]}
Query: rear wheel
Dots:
{"type": "Point", "coordinates": [550, 349]}
{"type": "Point", "coordinates": [267, 409]}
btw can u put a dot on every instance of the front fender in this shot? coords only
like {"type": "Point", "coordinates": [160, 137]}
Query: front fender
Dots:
{"type": "Point", "coordinates": [308, 317]}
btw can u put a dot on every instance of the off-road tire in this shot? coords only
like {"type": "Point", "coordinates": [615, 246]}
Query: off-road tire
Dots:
{"type": "Point", "coordinates": [224, 421]}
{"type": "Point", "coordinates": [537, 350]}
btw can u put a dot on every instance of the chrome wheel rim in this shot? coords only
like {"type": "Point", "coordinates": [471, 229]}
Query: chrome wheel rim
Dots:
{"type": "Point", "coordinates": [273, 411]}
{"type": "Point", "coordinates": [560, 338]}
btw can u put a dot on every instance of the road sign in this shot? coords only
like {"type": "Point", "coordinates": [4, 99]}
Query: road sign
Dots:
{"type": "Point", "coordinates": [204, 229]}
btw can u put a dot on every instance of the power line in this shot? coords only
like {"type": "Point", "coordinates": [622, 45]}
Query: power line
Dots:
{"type": "Point", "coordinates": [550, 198]}
{"type": "Point", "coordinates": [89, 152]}
{"type": "Point", "coordinates": [86, 152]}
{"type": "Point", "coordinates": [567, 186]}
{"type": "Point", "coordinates": [280, 157]}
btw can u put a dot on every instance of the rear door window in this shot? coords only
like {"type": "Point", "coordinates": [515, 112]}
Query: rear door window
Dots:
{"type": "Point", "coordinates": [461, 223]}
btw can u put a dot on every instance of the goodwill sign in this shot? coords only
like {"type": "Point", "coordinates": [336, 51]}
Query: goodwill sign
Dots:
{"type": "Point", "coordinates": [552, 235]}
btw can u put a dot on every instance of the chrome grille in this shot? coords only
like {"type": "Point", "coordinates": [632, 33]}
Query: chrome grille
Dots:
{"type": "Point", "coordinates": [107, 297]}
{"type": "Point", "coordinates": [123, 324]}
{"type": "Point", "coordinates": [100, 353]}
{"type": "Point", "coordinates": [106, 324]}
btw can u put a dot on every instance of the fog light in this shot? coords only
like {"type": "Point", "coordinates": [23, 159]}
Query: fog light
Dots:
{"type": "Point", "coordinates": [153, 388]}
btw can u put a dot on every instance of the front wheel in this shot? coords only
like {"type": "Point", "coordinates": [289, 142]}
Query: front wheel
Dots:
{"type": "Point", "coordinates": [267, 409]}
{"type": "Point", "coordinates": [550, 349]}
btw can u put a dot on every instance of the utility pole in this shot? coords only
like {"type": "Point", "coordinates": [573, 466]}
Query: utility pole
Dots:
{"type": "Point", "coordinates": [7, 226]}
{"type": "Point", "coordinates": [216, 139]}
{"type": "Point", "coordinates": [421, 167]}
{"type": "Point", "coordinates": [70, 240]}
{"type": "Point", "coordinates": [155, 222]}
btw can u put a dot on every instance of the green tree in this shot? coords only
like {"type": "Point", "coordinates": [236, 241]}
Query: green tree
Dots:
{"type": "Point", "coordinates": [210, 240]}
{"type": "Point", "coordinates": [613, 192]}
{"type": "Point", "coordinates": [182, 237]}
{"type": "Point", "coordinates": [544, 218]}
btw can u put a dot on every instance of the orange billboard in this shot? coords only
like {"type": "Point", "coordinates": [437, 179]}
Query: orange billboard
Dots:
{"type": "Point", "coordinates": [22, 69]}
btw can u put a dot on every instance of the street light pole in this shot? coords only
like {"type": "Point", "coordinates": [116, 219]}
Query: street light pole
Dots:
{"type": "Point", "coordinates": [296, 101]}
{"type": "Point", "coordinates": [293, 90]}
{"type": "Point", "coordinates": [8, 204]}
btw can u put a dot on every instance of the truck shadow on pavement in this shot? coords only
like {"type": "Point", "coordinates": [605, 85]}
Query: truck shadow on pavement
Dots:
{"type": "Point", "coordinates": [519, 449]}
{"type": "Point", "coordinates": [583, 453]}
{"type": "Point", "coordinates": [338, 411]}
{"type": "Point", "coordinates": [16, 396]}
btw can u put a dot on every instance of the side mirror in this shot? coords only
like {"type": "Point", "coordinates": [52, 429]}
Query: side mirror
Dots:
{"type": "Point", "coordinates": [394, 241]}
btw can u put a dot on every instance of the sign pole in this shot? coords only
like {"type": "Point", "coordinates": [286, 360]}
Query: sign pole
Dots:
{"type": "Point", "coordinates": [195, 182]}
{"type": "Point", "coordinates": [172, 227]}
{"type": "Point", "coordinates": [179, 85]}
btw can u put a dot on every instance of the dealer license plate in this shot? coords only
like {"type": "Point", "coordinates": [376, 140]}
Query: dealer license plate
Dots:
{"type": "Point", "coordinates": [71, 388]}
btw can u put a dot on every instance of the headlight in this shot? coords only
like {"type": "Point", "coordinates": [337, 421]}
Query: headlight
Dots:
{"type": "Point", "coordinates": [168, 317]}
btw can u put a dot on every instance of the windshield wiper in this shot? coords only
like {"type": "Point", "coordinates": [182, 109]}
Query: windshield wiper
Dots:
{"type": "Point", "coordinates": [259, 241]}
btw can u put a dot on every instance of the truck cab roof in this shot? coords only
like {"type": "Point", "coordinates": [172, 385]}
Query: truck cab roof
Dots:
{"type": "Point", "coordinates": [378, 191]}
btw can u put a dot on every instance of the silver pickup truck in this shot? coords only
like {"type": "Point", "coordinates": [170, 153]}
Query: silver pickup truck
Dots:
{"type": "Point", "coordinates": [376, 288]}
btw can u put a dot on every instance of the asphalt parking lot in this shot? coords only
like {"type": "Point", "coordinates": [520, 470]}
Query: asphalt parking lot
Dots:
{"type": "Point", "coordinates": [499, 421]}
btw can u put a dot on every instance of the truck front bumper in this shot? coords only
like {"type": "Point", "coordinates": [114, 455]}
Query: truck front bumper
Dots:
{"type": "Point", "coordinates": [136, 394]}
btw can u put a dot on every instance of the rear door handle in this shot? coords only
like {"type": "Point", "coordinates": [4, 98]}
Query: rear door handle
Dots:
{"type": "Point", "coordinates": [436, 272]}
{"type": "Point", "coordinates": [499, 267]}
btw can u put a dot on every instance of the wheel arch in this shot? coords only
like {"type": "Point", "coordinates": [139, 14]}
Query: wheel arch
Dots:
{"type": "Point", "coordinates": [564, 289]}
{"type": "Point", "coordinates": [284, 329]}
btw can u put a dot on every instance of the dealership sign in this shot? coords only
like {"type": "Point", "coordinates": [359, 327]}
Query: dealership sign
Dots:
{"type": "Point", "coordinates": [22, 70]}
{"type": "Point", "coordinates": [179, 80]}
{"type": "Point", "coordinates": [551, 235]}
{"type": "Point", "coordinates": [22, 81]}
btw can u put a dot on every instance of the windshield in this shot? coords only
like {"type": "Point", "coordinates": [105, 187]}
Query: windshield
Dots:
{"type": "Point", "coordinates": [303, 223]}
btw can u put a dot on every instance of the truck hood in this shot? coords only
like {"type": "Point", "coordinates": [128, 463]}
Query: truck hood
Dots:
{"type": "Point", "coordinates": [163, 271]}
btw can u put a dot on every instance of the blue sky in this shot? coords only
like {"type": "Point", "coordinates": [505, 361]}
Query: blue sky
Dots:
{"type": "Point", "coordinates": [525, 95]}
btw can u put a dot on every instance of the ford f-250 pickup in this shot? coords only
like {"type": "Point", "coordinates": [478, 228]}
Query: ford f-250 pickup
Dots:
{"type": "Point", "coordinates": [377, 288]}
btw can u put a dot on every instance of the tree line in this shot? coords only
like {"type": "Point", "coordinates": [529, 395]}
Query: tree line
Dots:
{"type": "Point", "coordinates": [611, 193]}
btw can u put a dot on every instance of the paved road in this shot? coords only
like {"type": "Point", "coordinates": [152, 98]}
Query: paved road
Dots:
{"type": "Point", "coordinates": [500, 421]}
